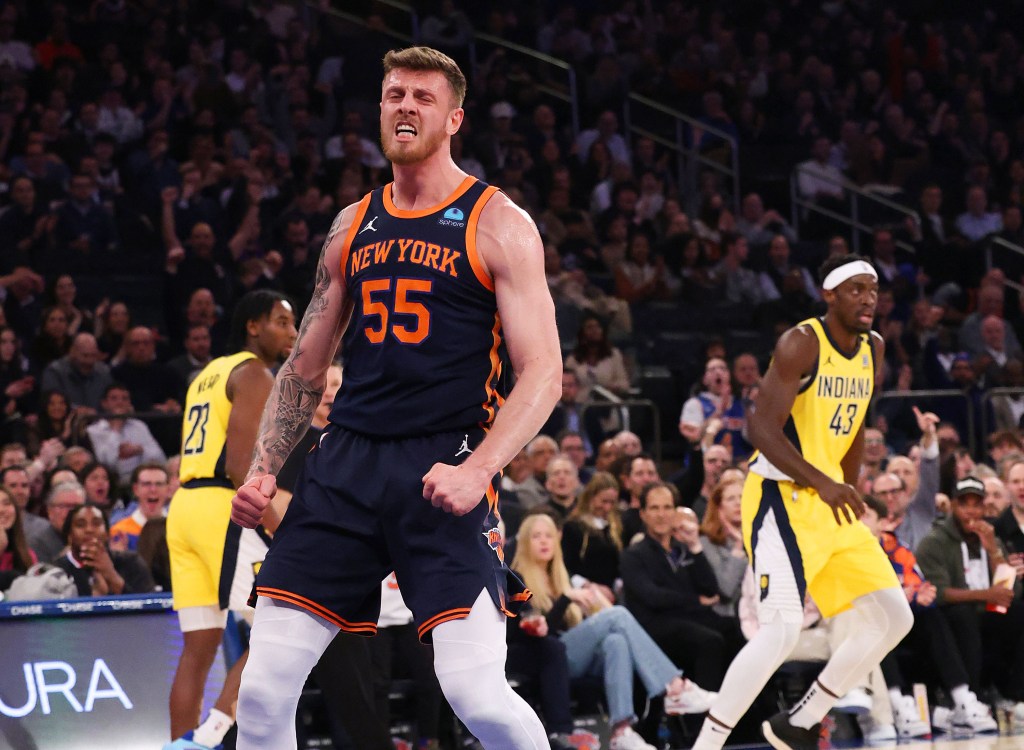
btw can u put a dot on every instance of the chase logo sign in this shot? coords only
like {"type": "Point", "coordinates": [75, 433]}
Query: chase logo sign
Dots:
{"type": "Point", "coordinates": [453, 217]}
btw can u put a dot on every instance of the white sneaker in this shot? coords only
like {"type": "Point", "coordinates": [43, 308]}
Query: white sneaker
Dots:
{"type": "Point", "coordinates": [692, 699]}
{"type": "Point", "coordinates": [942, 719]}
{"type": "Point", "coordinates": [1018, 714]}
{"type": "Point", "coordinates": [855, 702]}
{"type": "Point", "coordinates": [974, 715]}
{"type": "Point", "coordinates": [908, 718]}
{"type": "Point", "coordinates": [876, 734]}
{"type": "Point", "coordinates": [629, 740]}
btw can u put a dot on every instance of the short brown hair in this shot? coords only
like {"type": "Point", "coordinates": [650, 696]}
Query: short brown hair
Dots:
{"type": "Point", "coordinates": [428, 58]}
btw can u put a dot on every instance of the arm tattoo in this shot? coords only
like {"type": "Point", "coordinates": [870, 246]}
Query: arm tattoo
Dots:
{"type": "Point", "coordinates": [294, 398]}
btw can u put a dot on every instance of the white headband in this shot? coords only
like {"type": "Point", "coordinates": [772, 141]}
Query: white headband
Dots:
{"type": "Point", "coordinates": [847, 271]}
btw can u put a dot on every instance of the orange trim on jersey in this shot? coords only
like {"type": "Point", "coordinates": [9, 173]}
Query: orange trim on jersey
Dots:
{"type": "Point", "coordinates": [316, 609]}
{"type": "Point", "coordinates": [353, 230]}
{"type": "Point", "coordinates": [490, 392]}
{"type": "Point", "coordinates": [492, 498]}
{"type": "Point", "coordinates": [471, 228]}
{"type": "Point", "coordinates": [523, 596]}
{"type": "Point", "coordinates": [400, 213]}
{"type": "Point", "coordinates": [439, 619]}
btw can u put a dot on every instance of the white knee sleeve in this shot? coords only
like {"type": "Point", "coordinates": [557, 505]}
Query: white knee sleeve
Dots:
{"type": "Point", "coordinates": [285, 644]}
{"type": "Point", "coordinates": [469, 659]}
{"type": "Point", "coordinates": [879, 621]}
{"type": "Point", "coordinates": [753, 666]}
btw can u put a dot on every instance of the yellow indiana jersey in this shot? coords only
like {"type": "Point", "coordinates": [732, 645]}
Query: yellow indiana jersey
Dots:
{"type": "Point", "coordinates": [829, 408]}
{"type": "Point", "coordinates": [205, 426]}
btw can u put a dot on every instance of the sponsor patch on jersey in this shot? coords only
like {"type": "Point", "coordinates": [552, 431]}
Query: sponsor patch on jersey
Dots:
{"type": "Point", "coordinates": [453, 217]}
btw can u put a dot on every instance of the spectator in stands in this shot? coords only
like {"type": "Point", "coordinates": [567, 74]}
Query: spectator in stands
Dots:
{"type": "Point", "coordinates": [120, 440]}
{"type": "Point", "coordinates": [1009, 522]}
{"type": "Point", "coordinates": [53, 340]}
{"type": "Point", "coordinates": [55, 419]}
{"type": "Point", "coordinates": [991, 302]}
{"type": "Point", "coordinates": [79, 374]}
{"type": "Point", "coordinates": [716, 405]}
{"type": "Point", "coordinates": [531, 492]}
{"type": "Point", "coordinates": [605, 131]}
{"type": "Point", "coordinates": [641, 278]}
{"type": "Point", "coordinates": [977, 221]}
{"type": "Point", "coordinates": [149, 501]}
{"type": "Point", "coordinates": [85, 237]}
{"type": "Point", "coordinates": [736, 282]}
{"type": "Point", "coordinates": [592, 536]}
{"type": "Point", "coordinates": [590, 626]}
{"type": "Point", "coordinates": [15, 555]}
{"type": "Point", "coordinates": [153, 385]}
{"type": "Point", "coordinates": [16, 380]}
{"type": "Point", "coordinates": [908, 491]}
{"type": "Point", "coordinates": [562, 482]}
{"type": "Point", "coordinates": [818, 180]}
{"type": "Point", "coordinates": [774, 283]}
{"type": "Point", "coordinates": [64, 291]}
{"type": "Point", "coordinates": [761, 226]}
{"type": "Point", "coordinates": [48, 541]}
{"type": "Point", "coordinates": [636, 472]}
{"type": "Point", "coordinates": [96, 569]}
{"type": "Point", "coordinates": [722, 539]}
{"type": "Point", "coordinates": [959, 556]}
{"type": "Point", "coordinates": [670, 587]}
{"type": "Point", "coordinates": [113, 319]}
{"type": "Point", "coordinates": [596, 362]}
{"type": "Point", "coordinates": [100, 487]}
{"type": "Point", "coordinates": [195, 357]}
{"type": "Point", "coordinates": [26, 224]}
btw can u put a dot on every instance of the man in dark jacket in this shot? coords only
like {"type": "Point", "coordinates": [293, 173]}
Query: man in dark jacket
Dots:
{"type": "Point", "coordinates": [670, 587]}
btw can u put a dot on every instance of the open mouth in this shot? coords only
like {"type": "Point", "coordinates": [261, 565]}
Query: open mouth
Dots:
{"type": "Point", "coordinates": [405, 131]}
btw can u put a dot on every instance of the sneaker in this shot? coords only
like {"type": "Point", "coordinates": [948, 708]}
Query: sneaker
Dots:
{"type": "Point", "coordinates": [185, 742]}
{"type": "Point", "coordinates": [1018, 715]}
{"type": "Point", "coordinates": [692, 699]}
{"type": "Point", "coordinates": [876, 734]}
{"type": "Point", "coordinates": [629, 740]}
{"type": "Point", "coordinates": [784, 736]}
{"type": "Point", "coordinates": [942, 719]}
{"type": "Point", "coordinates": [908, 718]}
{"type": "Point", "coordinates": [856, 702]}
{"type": "Point", "coordinates": [974, 715]}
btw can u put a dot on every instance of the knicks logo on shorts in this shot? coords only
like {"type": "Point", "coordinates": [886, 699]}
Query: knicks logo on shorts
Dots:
{"type": "Point", "coordinates": [494, 542]}
{"type": "Point", "coordinates": [763, 583]}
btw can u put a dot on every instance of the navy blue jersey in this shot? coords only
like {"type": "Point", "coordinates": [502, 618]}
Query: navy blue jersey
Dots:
{"type": "Point", "coordinates": [421, 352]}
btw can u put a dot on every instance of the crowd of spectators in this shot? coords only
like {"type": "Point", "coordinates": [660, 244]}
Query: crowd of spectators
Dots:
{"type": "Point", "coordinates": [158, 160]}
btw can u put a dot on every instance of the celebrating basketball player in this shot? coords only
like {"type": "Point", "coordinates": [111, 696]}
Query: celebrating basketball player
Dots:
{"type": "Point", "coordinates": [801, 511]}
{"type": "Point", "coordinates": [422, 281]}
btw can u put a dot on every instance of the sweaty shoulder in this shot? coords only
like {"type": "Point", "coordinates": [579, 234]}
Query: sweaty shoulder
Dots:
{"type": "Point", "coordinates": [796, 352]}
{"type": "Point", "coordinates": [506, 235]}
{"type": "Point", "coordinates": [247, 374]}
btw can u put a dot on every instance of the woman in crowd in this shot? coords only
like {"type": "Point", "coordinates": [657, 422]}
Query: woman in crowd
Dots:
{"type": "Point", "coordinates": [53, 341]}
{"type": "Point", "coordinates": [640, 277]}
{"type": "Point", "coordinates": [100, 490]}
{"type": "Point", "coordinates": [596, 361]}
{"type": "Point", "coordinates": [17, 385]}
{"type": "Point", "coordinates": [64, 291]}
{"type": "Point", "coordinates": [15, 556]}
{"type": "Point", "coordinates": [722, 539]}
{"type": "Point", "coordinates": [92, 565]}
{"type": "Point", "coordinates": [600, 638]}
{"type": "Point", "coordinates": [112, 323]}
{"type": "Point", "coordinates": [592, 535]}
{"type": "Point", "coordinates": [53, 420]}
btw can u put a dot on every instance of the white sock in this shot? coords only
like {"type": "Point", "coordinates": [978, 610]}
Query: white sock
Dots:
{"type": "Point", "coordinates": [811, 709]}
{"type": "Point", "coordinates": [712, 735]}
{"type": "Point", "coordinates": [895, 696]}
{"type": "Point", "coordinates": [961, 694]}
{"type": "Point", "coordinates": [211, 732]}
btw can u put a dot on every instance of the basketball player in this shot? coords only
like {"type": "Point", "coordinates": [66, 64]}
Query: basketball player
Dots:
{"type": "Point", "coordinates": [423, 279]}
{"type": "Point", "coordinates": [212, 560]}
{"type": "Point", "coordinates": [801, 511]}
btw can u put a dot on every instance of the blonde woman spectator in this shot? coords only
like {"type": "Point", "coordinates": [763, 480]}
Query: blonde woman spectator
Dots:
{"type": "Point", "coordinates": [722, 539]}
{"type": "Point", "coordinates": [592, 536]}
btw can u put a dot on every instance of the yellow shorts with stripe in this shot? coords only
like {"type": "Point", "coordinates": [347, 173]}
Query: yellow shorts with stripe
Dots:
{"type": "Point", "coordinates": [213, 561]}
{"type": "Point", "coordinates": [796, 547]}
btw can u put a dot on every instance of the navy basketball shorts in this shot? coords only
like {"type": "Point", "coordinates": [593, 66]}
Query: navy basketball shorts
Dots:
{"type": "Point", "coordinates": [358, 513]}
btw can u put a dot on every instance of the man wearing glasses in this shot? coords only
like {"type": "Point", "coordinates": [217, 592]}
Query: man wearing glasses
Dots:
{"type": "Point", "coordinates": [149, 488]}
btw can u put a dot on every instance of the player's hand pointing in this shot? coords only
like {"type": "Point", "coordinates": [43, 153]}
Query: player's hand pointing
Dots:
{"type": "Point", "coordinates": [843, 498]}
{"type": "Point", "coordinates": [252, 499]}
{"type": "Point", "coordinates": [455, 489]}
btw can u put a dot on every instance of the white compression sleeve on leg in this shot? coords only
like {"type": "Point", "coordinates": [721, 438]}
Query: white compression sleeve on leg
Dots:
{"type": "Point", "coordinates": [469, 658]}
{"type": "Point", "coordinates": [883, 620]}
{"type": "Point", "coordinates": [285, 645]}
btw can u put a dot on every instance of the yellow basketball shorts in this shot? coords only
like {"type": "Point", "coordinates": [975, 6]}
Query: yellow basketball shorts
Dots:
{"type": "Point", "coordinates": [796, 548]}
{"type": "Point", "coordinates": [213, 561]}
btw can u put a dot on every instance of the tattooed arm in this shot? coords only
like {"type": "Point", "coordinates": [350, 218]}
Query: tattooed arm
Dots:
{"type": "Point", "coordinates": [300, 381]}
